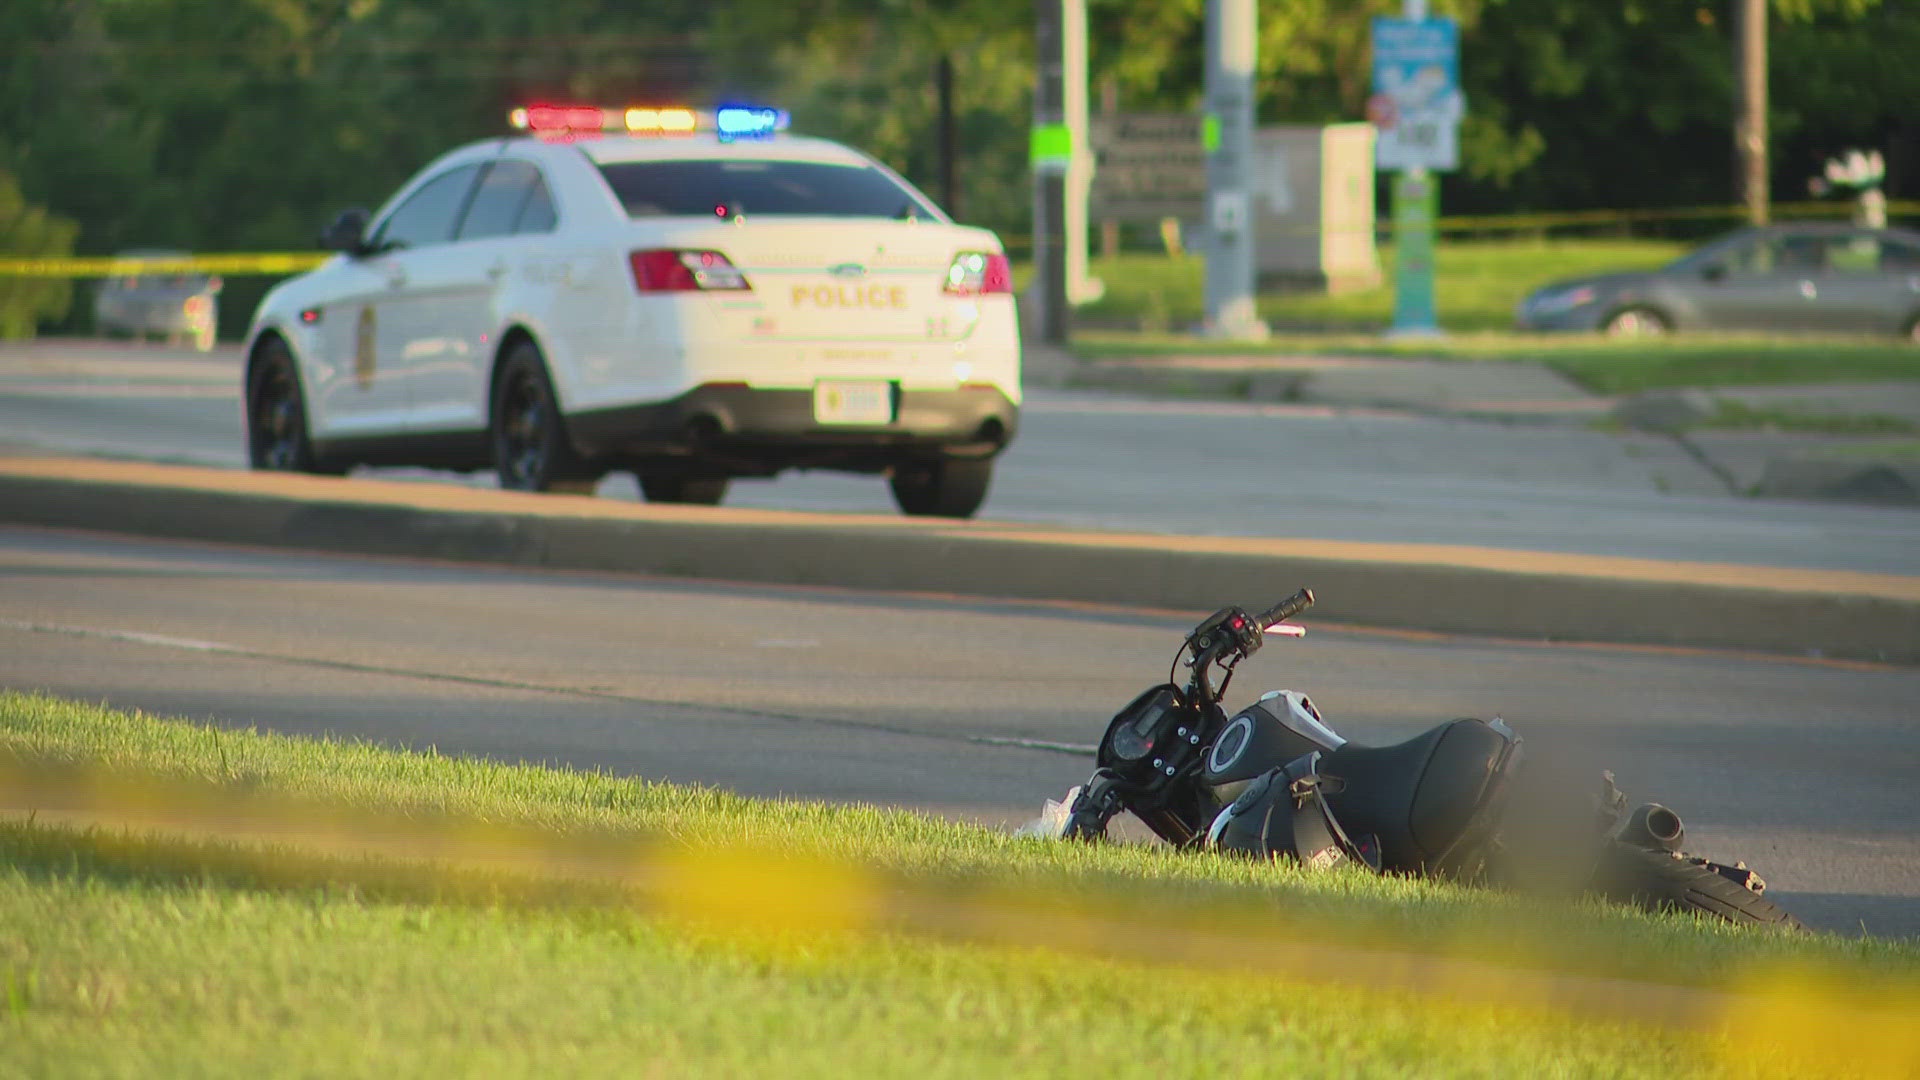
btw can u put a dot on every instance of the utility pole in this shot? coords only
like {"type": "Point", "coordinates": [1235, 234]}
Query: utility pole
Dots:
{"type": "Point", "coordinates": [949, 149]}
{"type": "Point", "coordinates": [1051, 150]}
{"type": "Point", "coordinates": [1750, 117]}
{"type": "Point", "coordinates": [1227, 134]}
{"type": "Point", "coordinates": [1110, 107]}
{"type": "Point", "coordinates": [1081, 287]}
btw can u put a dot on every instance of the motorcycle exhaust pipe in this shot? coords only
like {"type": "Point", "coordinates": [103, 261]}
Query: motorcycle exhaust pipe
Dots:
{"type": "Point", "coordinates": [1654, 827]}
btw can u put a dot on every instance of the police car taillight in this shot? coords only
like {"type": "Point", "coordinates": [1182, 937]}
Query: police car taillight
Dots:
{"type": "Point", "coordinates": [976, 272]}
{"type": "Point", "coordinates": [674, 270]}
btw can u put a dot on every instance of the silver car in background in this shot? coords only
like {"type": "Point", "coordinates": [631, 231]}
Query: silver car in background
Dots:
{"type": "Point", "coordinates": [1823, 278]}
{"type": "Point", "coordinates": [180, 308]}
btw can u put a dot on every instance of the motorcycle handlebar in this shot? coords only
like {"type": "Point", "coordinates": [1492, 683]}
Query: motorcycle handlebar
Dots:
{"type": "Point", "coordinates": [1287, 609]}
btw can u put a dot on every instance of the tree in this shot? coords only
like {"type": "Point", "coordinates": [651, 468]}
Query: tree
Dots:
{"type": "Point", "coordinates": [864, 73]}
{"type": "Point", "coordinates": [28, 231]}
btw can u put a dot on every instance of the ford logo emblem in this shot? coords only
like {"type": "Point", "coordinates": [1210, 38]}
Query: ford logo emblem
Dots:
{"type": "Point", "coordinates": [847, 270]}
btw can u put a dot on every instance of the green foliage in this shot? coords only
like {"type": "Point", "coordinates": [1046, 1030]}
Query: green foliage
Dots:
{"type": "Point", "coordinates": [864, 74]}
{"type": "Point", "coordinates": [29, 232]}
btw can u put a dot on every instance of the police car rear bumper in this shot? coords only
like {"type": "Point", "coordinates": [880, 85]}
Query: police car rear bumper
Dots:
{"type": "Point", "coordinates": [973, 419]}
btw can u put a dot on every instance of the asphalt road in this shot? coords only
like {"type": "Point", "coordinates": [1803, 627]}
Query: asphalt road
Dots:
{"type": "Point", "coordinates": [1104, 461]}
{"type": "Point", "coordinates": [967, 708]}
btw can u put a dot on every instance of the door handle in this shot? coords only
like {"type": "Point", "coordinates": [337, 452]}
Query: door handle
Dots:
{"type": "Point", "coordinates": [497, 271]}
{"type": "Point", "coordinates": [396, 278]}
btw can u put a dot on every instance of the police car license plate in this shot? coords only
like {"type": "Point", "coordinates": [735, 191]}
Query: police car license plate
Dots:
{"type": "Point", "coordinates": [848, 401]}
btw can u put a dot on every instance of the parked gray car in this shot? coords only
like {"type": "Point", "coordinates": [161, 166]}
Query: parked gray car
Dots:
{"type": "Point", "coordinates": [1800, 277]}
{"type": "Point", "coordinates": [175, 306]}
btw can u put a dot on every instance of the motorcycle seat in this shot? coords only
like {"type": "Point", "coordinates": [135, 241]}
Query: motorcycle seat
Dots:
{"type": "Point", "coordinates": [1421, 796]}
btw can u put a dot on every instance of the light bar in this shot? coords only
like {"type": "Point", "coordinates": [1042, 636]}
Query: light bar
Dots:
{"type": "Point", "coordinates": [729, 122]}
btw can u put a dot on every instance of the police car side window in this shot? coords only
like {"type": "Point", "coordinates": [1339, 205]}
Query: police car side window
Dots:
{"type": "Point", "coordinates": [537, 213]}
{"type": "Point", "coordinates": [428, 215]}
{"type": "Point", "coordinates": [497, 200]}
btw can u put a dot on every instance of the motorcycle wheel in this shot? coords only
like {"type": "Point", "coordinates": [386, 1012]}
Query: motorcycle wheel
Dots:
{"type": "Point", "coordinates": [1660, 881]}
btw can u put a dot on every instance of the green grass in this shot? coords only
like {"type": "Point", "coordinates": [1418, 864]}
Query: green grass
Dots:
{"type": "Point", "coordinates": [626, 934]}
{"type": "Point", "coordinates": [1734, 414]}
{"type": "Point", "coordinates": [1477, 285]}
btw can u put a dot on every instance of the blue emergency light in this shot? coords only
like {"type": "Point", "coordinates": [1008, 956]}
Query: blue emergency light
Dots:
{"type": "Point", "coordinates": [748, 122]}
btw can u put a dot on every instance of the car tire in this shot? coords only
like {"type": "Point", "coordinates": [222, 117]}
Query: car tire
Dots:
{"type": "Point", "coordinates": [531, 451]}
{"type": "Point", "coordinates": [941, 487]}
{"type": "Point", "coordinates": [671, 484]}
{"type": "Point", "coordinates": [277, 433]}
{"type": "Point", "coordinates": [1636, 322]}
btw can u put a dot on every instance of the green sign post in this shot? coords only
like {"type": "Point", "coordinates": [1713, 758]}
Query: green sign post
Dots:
{"type": "Point", "coordinates": [1414, 203]}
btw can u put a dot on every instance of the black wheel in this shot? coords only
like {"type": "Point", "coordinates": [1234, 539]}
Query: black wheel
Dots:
{"type": "Point", "coordinates": [671, 484]}
{"type": "Point", "coordinates": [277, 414]}
{"type": "Point", "coordinates": [1663, 881]}
{"type": "Point", "coordinates": [941, 487]}
{"type": "Point", "coordinates": [530, 448]}
{"type": "Point", "coordinates": [1636, 322]}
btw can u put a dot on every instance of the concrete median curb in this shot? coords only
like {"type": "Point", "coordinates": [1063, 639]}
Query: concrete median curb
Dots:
{"type": "Point", "coordinates": [1427, 587]}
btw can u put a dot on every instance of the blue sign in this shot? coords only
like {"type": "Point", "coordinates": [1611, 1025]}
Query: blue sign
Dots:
{"type": "Point", "coordinates": [1416, 104]}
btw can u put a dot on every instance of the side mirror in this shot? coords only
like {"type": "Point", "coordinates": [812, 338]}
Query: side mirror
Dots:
{"type": "Point", "coordinates": [1716, 272]}
{"type": "Point", "coordinates": [347, 233]}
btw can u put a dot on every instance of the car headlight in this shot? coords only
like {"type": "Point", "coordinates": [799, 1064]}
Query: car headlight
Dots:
{"type": "Point", "coordinates": [1553, 303]}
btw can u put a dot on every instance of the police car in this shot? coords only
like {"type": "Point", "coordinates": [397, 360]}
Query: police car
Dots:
{"type": "Point", "coordinates": [693, 297]}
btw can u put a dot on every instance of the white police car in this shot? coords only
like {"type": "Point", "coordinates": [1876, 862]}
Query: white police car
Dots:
{"type": "Point", "coordinates": [693, 297]}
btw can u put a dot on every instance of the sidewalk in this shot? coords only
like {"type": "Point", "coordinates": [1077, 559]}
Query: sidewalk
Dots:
{"type": "Point", "coordinates": [1875, 466]}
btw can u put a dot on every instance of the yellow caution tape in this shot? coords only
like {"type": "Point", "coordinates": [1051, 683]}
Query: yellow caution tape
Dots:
{"type": "Point", "coordinates": [294, 262]}
{"type": "Point", "coordinates": [236, 264]}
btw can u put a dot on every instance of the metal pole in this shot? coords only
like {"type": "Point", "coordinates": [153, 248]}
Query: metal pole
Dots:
{"type": "Point", "coordinates": [1750, 118]}
{"type": "Point", "coordinates": [1232, 26]}
{"type": "Point", "coordinates": [1050, 175]}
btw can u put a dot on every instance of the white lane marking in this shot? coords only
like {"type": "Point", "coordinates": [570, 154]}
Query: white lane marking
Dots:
{"type": "Point", "coordinates": [166, 641]}
{"type": "Point", "coordinates": [117, 390]}
{"type": "Point", "coordinates": [134, 636]}
{"type": "Point", "coordinates": [1034, 744]}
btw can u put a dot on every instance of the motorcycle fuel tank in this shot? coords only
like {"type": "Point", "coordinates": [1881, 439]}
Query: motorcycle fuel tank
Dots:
{"type": "Point", "coordinates": [1282, 726]}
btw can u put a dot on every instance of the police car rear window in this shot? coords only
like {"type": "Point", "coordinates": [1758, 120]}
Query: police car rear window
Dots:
{"type": "Point", "coordinates": [745, 187]}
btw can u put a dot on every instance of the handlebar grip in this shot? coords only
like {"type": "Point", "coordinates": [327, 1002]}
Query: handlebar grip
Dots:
{"type": "Point", "coordinates": [1287, 609]}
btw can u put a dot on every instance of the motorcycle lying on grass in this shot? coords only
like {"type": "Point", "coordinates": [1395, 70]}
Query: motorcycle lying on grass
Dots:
{"type": "Point", "coordinates": [1274, 781]}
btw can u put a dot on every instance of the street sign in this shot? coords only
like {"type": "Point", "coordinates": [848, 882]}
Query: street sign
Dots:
{"type": "Point", "coordinates": [1148, 166]}
{"type": "Point", "coordinates": [1416, 102]}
